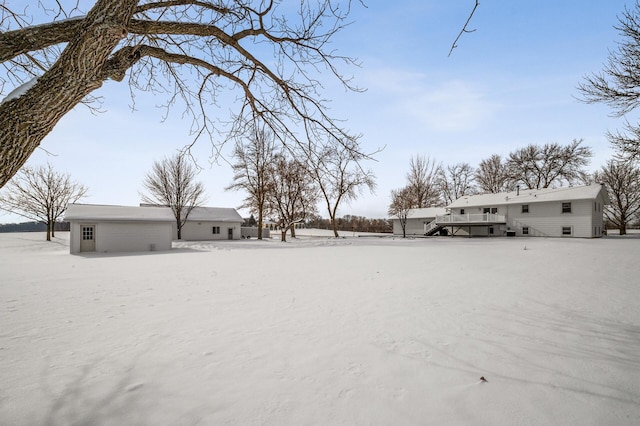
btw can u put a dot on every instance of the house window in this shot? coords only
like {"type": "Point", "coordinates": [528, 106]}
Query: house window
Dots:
{"type": "Point", "coordinates": [216, 229]}
{"type": "Point", "coordinates": [566, 230]}
{"type": "Point", "coordinates": [525, 208]}
{"type": "Point", "coordinates": [491, 230]}
{"type": "Point", "coordinates": [566, 207]}
{"type": "Point", "coordinates": [525, 230]}
{"type": "Point", "coordinates": [491, 210]}
{"type": "Point", "coordinates": [461, 211]}
{"type": "Point", "coordinates": [87, 233]}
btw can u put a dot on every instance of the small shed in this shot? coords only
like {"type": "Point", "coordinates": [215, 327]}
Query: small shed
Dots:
{"type": "Point", "coordinates": [211, 223]}
{"type": "Point", "coordinates": [105, 228]}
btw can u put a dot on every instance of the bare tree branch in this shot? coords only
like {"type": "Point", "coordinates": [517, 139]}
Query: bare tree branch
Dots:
{"type": "Point", "coordinates": [464, 28]}
{"type": "Point", "coordinates": [188, 50]}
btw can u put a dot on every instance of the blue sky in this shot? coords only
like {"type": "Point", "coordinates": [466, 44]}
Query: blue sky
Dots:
{"type": "Point", "coordinates": [510, 83]}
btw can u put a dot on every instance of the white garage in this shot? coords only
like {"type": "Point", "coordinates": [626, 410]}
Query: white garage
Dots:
{"type": "Point", "coordinates": [211, 223]}
{"type": "Point", "coordinates": [105, 229]}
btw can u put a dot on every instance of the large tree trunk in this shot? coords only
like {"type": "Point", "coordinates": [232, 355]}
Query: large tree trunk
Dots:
{"type": "Point", "coordinates": [27, 119]}
{"type": "Point", "coordinates": [260, 222]}
{"type": "Point", "coordinates": [623, 228]}
{"type": "Point", "coordinates": [293, 230]}
{"type": "Point", "coordinates": [48, 230]}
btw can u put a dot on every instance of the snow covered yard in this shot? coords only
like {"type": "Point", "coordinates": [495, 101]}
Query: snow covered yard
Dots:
{"type": "Point", "coordinates": [322, 331]}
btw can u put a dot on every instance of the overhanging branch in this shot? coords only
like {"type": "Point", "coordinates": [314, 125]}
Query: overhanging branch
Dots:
{"type": "Point", "coordinates": [464, 29]}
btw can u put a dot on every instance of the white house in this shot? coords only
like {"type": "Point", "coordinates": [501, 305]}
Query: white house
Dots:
{"type": "Point", "coordinates": [211, 223]}
{"type": "Point", "coordinates": [559, 212]}
{"type": "Point", "coordinates": [100, 228]}
{"type": "Point", "coordinates": [417, 220]}
{"type": "Point", "coordinates": [103, 228]}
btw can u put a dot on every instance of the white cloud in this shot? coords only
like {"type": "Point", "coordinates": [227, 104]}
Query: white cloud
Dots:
{"type": "Point", "coordinates": [442, 105]}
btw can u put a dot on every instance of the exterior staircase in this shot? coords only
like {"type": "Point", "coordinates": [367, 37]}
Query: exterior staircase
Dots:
{"type": "Point", "coordinates": [432, 228]}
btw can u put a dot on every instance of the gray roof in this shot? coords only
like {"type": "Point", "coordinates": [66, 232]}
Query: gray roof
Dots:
{"type": "Point", "coordinates": [77, 212]}
{"type": "Point", "coordinates": [529, 196]}
{"type": "Point", "coordinates": [214, 214]}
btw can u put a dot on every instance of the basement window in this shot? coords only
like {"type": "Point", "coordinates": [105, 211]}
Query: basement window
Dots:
{"type": "Point", "coordinates": [525, 230]}
{"type": "Point", "coordinates": [567, 231]}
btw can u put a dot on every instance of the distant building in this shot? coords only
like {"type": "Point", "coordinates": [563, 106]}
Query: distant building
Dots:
{"type": "Point", "coordinates": [105, 228]}
{"type": "Point", "coordinates": [552, 212]}
{"type": "Point", "coordinates": [211, 223]}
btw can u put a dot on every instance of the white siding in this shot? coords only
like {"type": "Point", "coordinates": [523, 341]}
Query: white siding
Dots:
{"type": "Point", "coordinates": [124, 236]}
{"type": "Point", "coordinates": [547, 219]}
{"type": "Point", "coordinates": [414, 226]}
{"type": "Point", "coordinates": [203, 231]}
{"type": "Point", "coordinates": [597, 222]}
{"type": "Point", "coordinates": [132, 236]}
{"type": "Point", "coordinates": [74, 238]}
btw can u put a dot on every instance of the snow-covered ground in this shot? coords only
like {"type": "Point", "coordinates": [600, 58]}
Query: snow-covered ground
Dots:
{"type": "Point", "coordinates": [322, 331]}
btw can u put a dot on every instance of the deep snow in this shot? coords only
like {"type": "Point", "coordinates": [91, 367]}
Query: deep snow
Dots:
{"type": "Point", "coordinates": [322, 331]}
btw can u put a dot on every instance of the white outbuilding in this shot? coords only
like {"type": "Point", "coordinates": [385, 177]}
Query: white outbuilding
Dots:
{"type": "Point", "coordinates": [211, 223]}
{"type": "Point", "coordinates": [103, 228]}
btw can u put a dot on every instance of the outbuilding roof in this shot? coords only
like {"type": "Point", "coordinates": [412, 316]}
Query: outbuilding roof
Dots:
{"type": "Point", "coordinates": [217, 214]}
{"type": "Point", "coordinates": [148, 213]}
{"type": "Point", "coordinates": [529, 196]}
{"type": "Point", "coordinates": [76, 212]}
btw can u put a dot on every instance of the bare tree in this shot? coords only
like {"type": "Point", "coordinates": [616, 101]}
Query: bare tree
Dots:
{"type": "Point", "coordinates": [538, 166]}
{"type": "Point", "coordinates": [422, 182]}
{"type": "Point", "coordinates": [492, 175]}
{"type": "Point", "coordinates": [626, 143]}
{"type": "Point", "coordinates": [252, 171]}
{"type": "Point", "coordinates": [456, 181]}
{"type": "Point", "coordinates": [622, 181]}
{"type": "Point", "coordinates": [171, 182]}
{"type": "Point", "coordinates": [338, 172]}
{"type": "Point", "coordinates": [190, 50]}
{"type": "Point", "coordinates": [292, 194]}
{"type": "Point", "coordinates": [618, 84]}
{"type": "Point", "coordinates": [400, 207]}
{"type": "Point", "coordinates": [41, 194]}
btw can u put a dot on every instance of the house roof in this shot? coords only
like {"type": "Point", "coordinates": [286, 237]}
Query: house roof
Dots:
{"type": "Point", "coordinates": [426, 213]}
{"type": "Point", "coordinates": [217, 214]}
{"type": "Point", "coordinates": [76, 212]}
{"type": "Point", "coordinates": [529, 196]}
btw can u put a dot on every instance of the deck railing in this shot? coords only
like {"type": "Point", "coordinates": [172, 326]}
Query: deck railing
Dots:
{"type": "Point", "coordinates": [429, 226]}
{"type": "Point", "coordinates": [470, 218]}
